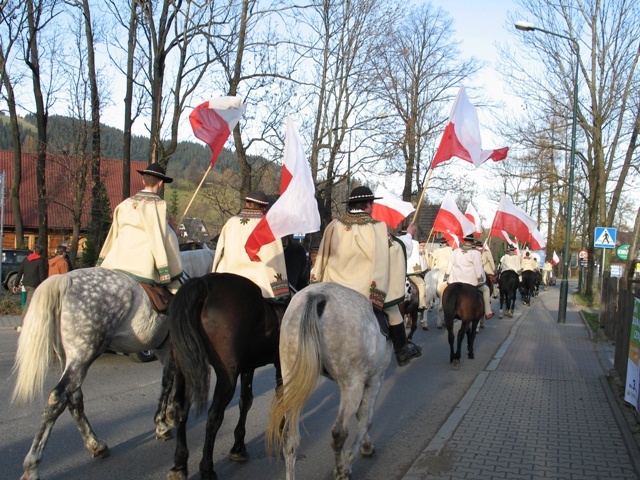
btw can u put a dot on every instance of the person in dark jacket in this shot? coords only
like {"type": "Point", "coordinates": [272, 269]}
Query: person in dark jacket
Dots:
{"type": "Point", "coordinates": [32, 273]}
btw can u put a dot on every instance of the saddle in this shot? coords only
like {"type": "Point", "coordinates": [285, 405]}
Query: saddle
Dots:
{"type": "Point", "coordinates": [158, 295]}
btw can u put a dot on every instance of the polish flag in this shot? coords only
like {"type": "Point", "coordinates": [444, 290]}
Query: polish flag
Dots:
{"type": "Point", "coordinates": [390, 209]}
{"type": "Point", "coordinates": [296, 211]}
{"type": "Point", "coordinates": [213, 121]}
{"type": "Point", "coordinates": [555, 259]}
{"type": "Point", "coordinates": [472, 215]}
{"type": "Point", "coordinates": [461, 137]}
{"type": "Point", "coordinates": [450, 220]}
{"type": "Point", "coordinates": [501, 234]}
{"type": "Point", "coordinates": [518, 223]}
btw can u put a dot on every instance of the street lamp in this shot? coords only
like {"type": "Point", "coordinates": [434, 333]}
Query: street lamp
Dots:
{"type": "Point", "coordinates": [564, 284]}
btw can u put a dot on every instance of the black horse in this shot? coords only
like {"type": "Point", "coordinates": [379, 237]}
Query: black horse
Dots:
{"type": "Point", "coordinates": [221, 320]}
{"type": "Point", "coordinates": [527, 286]}
{"type": "Point", "coordinates": [462, 301]}
{"type": "Point", "coordinates": [537, 283]}
{"type": "Point", "coordinates": [409, 307]}
{"type": "Point", "coordinates": [508, 284]}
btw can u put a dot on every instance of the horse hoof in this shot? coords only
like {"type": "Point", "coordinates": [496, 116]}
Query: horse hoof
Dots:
{"type": "Point", "coordinates": [102, 453]}
{"type": "Point", "coordinates": [456, 364]}
{"type": "Point", "coordinates": [177, 475]}
{"type": "Point", "coordinates": [367, 450]}
{"type": "Point", "coordinates": [425, 327]}
{"type": "Point", "coordinates": [471, 356]}
{"type": "Point", "coordinates": [164, 436]}
{"type": "Point", "coordinates": [501, 315]}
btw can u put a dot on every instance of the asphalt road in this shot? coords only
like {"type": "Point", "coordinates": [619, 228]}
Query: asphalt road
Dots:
{"type": "Point", "coordinates": [120, 401]}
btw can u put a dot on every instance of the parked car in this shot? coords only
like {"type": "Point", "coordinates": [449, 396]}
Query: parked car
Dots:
{"type": "Point", "coordinates": [11, 261]}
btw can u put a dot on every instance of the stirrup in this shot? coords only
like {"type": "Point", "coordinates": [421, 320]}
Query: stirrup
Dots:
{"type": "Point", "coordinates": [407, 353]}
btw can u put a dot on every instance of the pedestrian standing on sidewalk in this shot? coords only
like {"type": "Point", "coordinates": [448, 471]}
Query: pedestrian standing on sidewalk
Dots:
{"type": "Point", "coordinates": [33, 271]}
{"type": "Point", "coordinates": [58, 265]}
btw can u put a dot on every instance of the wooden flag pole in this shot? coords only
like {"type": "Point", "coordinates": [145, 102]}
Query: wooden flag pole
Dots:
{"type": "Point", "coordinates": [194, 195]}
{"type": "Point", "coordinates": [424, 190]}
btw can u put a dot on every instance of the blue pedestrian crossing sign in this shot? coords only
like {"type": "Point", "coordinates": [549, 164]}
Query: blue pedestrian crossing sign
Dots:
{"type": "Point", "coordinates": [605, 237]}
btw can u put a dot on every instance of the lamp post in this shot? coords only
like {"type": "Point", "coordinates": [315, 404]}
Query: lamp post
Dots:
{"type": "Point", "coordinates": [564, 284]}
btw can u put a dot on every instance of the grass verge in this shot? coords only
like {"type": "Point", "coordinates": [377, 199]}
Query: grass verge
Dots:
{"type": "Point", "coordinates": [10, 305]}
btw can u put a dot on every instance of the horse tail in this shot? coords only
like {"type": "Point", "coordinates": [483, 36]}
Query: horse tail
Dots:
{"type": "Point", "coordinates": [191, 355]}
{"type": "Point", "coordinates": [290, 398]}
{"type": "Point", "coordinates": [40, 341]}
{"type": "Point", "coordinates": [449, 307]}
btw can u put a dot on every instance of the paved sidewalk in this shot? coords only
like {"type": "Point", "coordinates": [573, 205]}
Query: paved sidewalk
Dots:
{"type": "Point", "coordinates": [541, 409]}
{"type": "Point", "coordinates": [9, 321]}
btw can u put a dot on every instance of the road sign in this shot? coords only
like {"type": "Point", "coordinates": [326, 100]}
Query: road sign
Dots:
{"type": "Point", "coordinates": [583, 255]}
{"type": "Point", "coordinates": [605, 237]}
{"type": "Point", "coordinates": [622, 252]}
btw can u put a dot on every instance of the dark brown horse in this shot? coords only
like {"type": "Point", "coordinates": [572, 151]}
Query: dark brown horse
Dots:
{"type": "Point", "coordinates": [464, 302]}
{"type": "Point", "coordinates": [222, 320]}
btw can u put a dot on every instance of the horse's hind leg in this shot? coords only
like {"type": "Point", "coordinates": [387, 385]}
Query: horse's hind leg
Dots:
{"type": "Point", "coordinates": [162, 417]}
{"type": "Point", "coordinates": [364, 416]}
{"type": "Point", "coordinates": [239, 449]}
{"type": "Point", "coordinates": [350, 398]}
{"type": "Point", "coordinates": [97, 447]}
{"type": "Point", "coordinates": [181, 407]}
{"type": "Point", "coordinates": [222, 396]}
{"type": "Point", "coordinates": [471, 335]}
{"type": "Point", "coordinates": [64, 394]}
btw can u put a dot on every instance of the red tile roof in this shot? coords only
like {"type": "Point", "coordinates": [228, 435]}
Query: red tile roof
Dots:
{"type": "Point", "coordinates": [59, 181]}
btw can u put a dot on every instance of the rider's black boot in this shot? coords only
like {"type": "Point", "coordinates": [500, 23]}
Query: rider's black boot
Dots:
{"type": "Point", "coordinates": [405, 350]}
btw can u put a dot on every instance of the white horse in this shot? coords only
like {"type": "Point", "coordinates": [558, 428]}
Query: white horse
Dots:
{"type": "Point", "coordinates": [313, 342]}
{"type": "Point", "coordinates": [76, 317]}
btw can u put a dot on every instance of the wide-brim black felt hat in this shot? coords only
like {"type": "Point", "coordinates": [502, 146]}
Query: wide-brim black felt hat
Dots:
{"type": "Point", "coordinates": [155, 170]}
{"type": "Point", "coordinates": [361, 194]}
{"type": "Point", "coordinates": [511, 248]}
{"type": "Point", "coordinates": [257, 196]}
{"type": "Point", "coordinates": [469, 238]}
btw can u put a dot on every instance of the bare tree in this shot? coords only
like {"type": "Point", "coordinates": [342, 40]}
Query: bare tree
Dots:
{"type": "Point", "coordinates": [418, 65]}
{"type": "Point", "coordinates": [340, 44]}
{"type": "Point", "coordinates": [39, 14]}
{"type": "Point", "coordinates": [175, 49]}
{"type": "Point", "coordinates": [133, 100]}
{"type": "Point", "coordinates": [12, 24]}
{"type": "Point", "coordinates": [607, 32]}
{"type": "Point", "coordinates": [255, 62]}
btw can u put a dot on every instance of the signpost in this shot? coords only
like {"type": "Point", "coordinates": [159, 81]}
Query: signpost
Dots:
{"type": "Point", "coordinates": [605, 237]}
{"type": "Point", "coordinates": [622, 252]}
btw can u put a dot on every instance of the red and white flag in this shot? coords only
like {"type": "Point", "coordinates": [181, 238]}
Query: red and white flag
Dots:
{"type": "Point", "coordinates": [505, 236]}
{"type": "Point", "coordinates": [296, 211]}
{"type": "Point", "coordinates": [450, 219]}
{"type": "Point", "coordinates": [461, 137]}
{"type": "Point", "coordinates": [472, 215]}
{"type": "Point", "coordinates": [213, 121]}
{"type": "Point", "coordinates": [389, 208]}
{"type": "Point", "coordinates": [555, 259]}
{"type": "Point", "coordinates": [518, 223]}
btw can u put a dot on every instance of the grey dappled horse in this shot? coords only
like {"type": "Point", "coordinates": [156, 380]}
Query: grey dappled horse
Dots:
{"type": "Point", "coordinates": [313, 342]}
{"type": "Point", "coordinates": [76, 317]}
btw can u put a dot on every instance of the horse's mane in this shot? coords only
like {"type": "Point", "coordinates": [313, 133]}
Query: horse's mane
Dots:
{"type": "Point", "coordinates": [197, 263]}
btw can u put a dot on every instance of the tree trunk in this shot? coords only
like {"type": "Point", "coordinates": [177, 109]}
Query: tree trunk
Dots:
{"type": "Point", "coordinates": [128, 103]}
{"type": "Point", "coordinates": [14, 193]}
{"type": "Point", "coordinates": [42, 115]}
